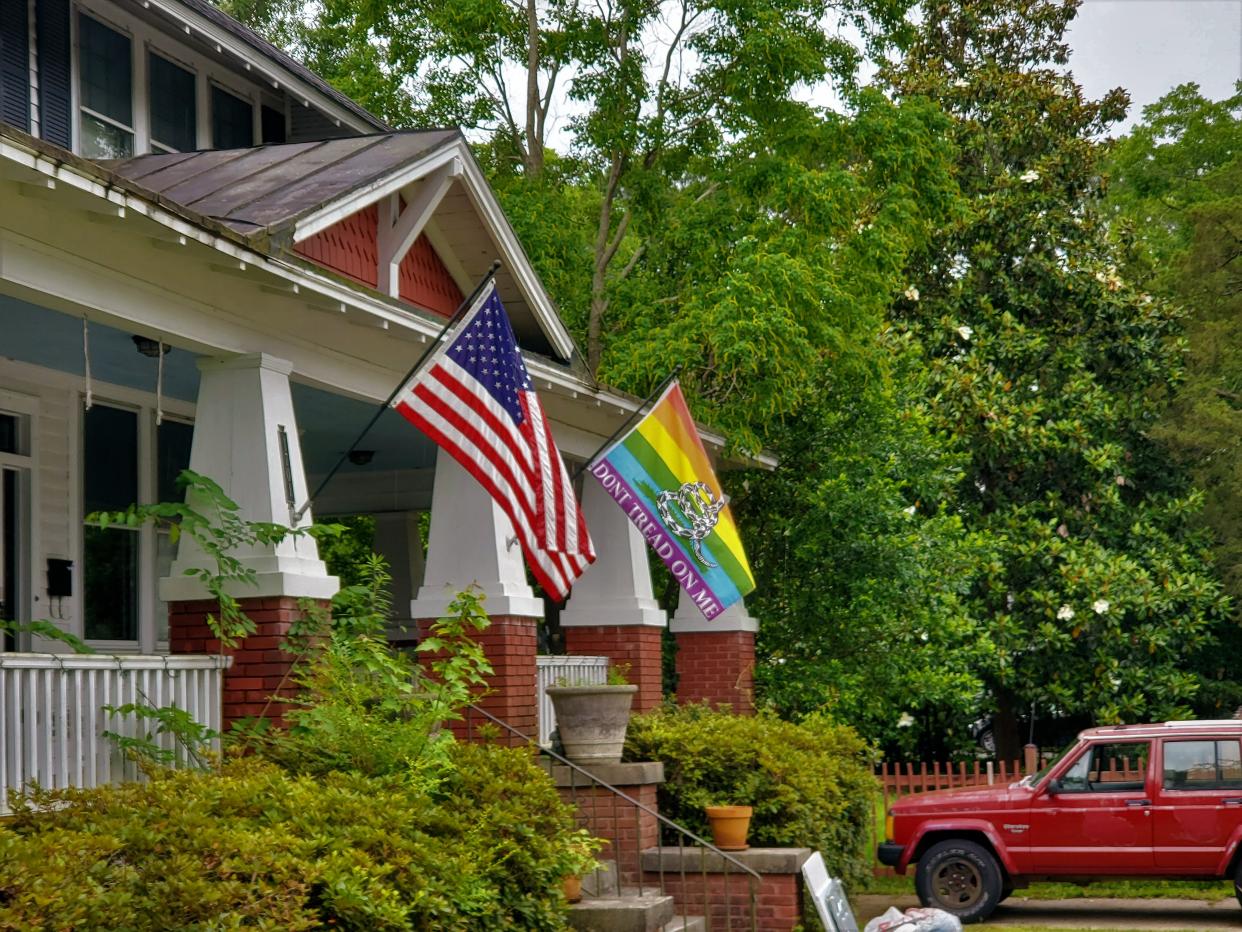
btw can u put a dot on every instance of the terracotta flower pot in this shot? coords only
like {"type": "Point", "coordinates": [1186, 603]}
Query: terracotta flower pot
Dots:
{"type": "Point", "coordinates": [572, 886]}
{"type": "Point", "coordinates": [729, 826]}
{"type": "Point", "coordinates": [592, 720]}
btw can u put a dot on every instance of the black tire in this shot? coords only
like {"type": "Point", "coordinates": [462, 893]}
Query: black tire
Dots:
{"type": "Point", "coordinates": [960, 877]}
{"type": "Point", "coordinates": [1237, 882]}
{"type": "Point", "coordinates": [1007, 889]}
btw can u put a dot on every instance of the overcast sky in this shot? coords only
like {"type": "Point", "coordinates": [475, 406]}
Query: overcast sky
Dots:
{"type": "Point", "coordinates": [1150, 46]}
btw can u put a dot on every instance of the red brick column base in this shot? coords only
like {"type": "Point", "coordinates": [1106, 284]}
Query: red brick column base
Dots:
{"type": "Point", "coordinates": [510, 644]}
{"type": "Point", "coordinates": [717, 667]}
{"type": "Point", "coordinates": [725, 898]}
{"type": "Point", "coordinates": [260, 668]}
{"type": "Point", "coordinates": [639, 646]}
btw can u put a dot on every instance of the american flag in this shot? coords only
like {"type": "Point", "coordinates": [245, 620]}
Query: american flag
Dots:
{"type": "Point", "coordinates": [475, 399]}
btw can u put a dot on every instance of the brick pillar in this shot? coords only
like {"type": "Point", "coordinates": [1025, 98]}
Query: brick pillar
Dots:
{"type": "Point", "coordinates": [626, 830]}
{"type": "Point", "coordinates": [725, 898]}
{"type": "Point", "coordinates": [717, 668]}
{"type": "Point", "coordinates": [510, 643]}
{"type": "Point", "coordinates": [260, 668]}
{"type": "Point", "coordinates": [716, 659]}
{"type": "Point", "coordinates": [639, 646]}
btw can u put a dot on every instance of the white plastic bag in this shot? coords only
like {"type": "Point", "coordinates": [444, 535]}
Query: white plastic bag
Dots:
{"type": "Point", "coordinates": [919, 919]}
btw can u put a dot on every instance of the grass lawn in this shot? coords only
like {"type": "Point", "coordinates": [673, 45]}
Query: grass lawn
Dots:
{"type": "Point", "coordinates": [1120, 889]}
{"type": "Point", "coordinates": [1082, 929]}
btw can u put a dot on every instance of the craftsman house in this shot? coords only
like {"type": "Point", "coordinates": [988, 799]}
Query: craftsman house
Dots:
{"type": "Point", "coordinates": [210, 258]}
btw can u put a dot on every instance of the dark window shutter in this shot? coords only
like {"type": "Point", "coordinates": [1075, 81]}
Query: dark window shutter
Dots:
{"type": "Point", "coordinates": [14, 64]}
{"type": "Point", "coordinates": [52, 37]}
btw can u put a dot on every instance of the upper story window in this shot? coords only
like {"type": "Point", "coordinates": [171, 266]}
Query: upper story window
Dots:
{"type": "Point", "coordinates": [174, 108]}
{"type": "Point", "coordinates": [232, 120]}
{"type": "Point", "coordinates": [106, 91]}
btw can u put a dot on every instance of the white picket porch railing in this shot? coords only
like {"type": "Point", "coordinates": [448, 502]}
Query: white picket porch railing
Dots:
{"type": "Point", "coordinates": [52, 715]}
{"type": "Point", "coordinates": [573, 669]}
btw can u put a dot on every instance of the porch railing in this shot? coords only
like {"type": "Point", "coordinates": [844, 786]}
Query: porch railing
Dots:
{"type": "Point", "coordinates": [52, 716]}
{"type": "Point", "coordinates": [585, 671]}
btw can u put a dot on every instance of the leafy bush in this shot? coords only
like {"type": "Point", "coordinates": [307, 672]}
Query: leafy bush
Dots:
{"type": "Point", "coordinates": [253, 846]}
{"type": "Point", "coordinates": [810, 783]}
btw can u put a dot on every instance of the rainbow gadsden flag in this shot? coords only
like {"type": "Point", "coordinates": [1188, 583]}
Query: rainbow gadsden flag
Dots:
{"type": "Point", "coordinates": [661, 477]}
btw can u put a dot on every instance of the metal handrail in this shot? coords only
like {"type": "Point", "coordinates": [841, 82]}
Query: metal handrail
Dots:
{"type": "Point", "coordinates": [705, 846]}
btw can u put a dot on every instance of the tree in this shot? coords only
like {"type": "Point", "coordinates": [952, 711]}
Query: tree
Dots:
{"type": "Point", "coordinates": [1050, 369]}
{"type": "Point", "coordinates": [1176, 207]}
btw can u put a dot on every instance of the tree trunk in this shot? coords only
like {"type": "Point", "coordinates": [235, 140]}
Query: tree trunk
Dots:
{"type": "Point", "coordinates": [534, 144]}
{"type": "Point", "coordinates": [1006, 727]}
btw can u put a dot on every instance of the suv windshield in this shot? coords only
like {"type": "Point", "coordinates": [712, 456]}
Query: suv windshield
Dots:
{"type": "Point", "coordinates": [1034, 778]}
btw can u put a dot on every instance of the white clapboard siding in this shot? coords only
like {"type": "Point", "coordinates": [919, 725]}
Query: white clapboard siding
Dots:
{"type": "Point", "coordinates": [582, 671]}
{"type": "Point", "coordinates": [52, 715]}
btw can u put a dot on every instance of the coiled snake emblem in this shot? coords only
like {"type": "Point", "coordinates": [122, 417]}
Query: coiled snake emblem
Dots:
{"type": "Point", "coordinates": [697, 511]}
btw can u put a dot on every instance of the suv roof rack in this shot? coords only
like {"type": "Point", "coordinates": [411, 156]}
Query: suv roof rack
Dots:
{"type": "Point", "coordinates": [1206, 723]}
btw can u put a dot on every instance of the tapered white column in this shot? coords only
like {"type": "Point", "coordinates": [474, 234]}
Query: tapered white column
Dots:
{"type": "Point", "coordinates": [398, 541]}
{"type": "Point", "coordinates": [616, 588]}
{"type": "Point", "coordinates": [471, 542]}
{"type": "Point", "coordinates": [246, 440]}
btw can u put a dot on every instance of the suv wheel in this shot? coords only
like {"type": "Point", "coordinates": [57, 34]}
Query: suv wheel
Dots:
{"type": "Point", "coordinates": [960, 877]}
{"type": "Point", "coordinates": [1237, 882]}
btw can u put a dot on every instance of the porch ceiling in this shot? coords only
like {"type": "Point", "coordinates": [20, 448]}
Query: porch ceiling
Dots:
{"type": "Point", "coordinates": [398, 477]}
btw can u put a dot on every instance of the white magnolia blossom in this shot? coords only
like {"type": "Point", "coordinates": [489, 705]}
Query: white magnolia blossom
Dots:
{"type": "Point", "coordinates": [961, 82]}
{"type": "Point", "coordinates": [1100, 606]}
{"type": "Point", "coordinates": [965, 332]}
{"type": "Point", "coordinates": [1034, 386]}
{"type": "Point", "coordinates": [909, 510]}
{"type": "Point", "coordinates": [906, 720]}
{"type": "Point", "coordinates": [1029, 175]}
{"type": "Point", "coordinates": [1065, 613]}
{"type": "Point", "coordinates": [912, 293]}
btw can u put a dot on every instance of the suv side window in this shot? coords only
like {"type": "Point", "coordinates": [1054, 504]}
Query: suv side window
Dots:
{"type": "Point", "coordinates": [1202, 765]}
{"type": "Point", "coordinates": [1117, 767]}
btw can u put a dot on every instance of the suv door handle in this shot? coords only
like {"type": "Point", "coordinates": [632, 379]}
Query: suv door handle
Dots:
{"type": "Point", "coordinates": [1237, 801]}
{"type": "Point", "coordinates": [1143, 802]}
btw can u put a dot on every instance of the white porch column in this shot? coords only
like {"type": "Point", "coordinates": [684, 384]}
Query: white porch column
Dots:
{"type": "Point", "coordinates": [397, 540]}
{"type": "Point", "coordinates": [469, 543]}
{"type": "Point", "coordinates": [616, 588]}
{"type": "Point", "coordinates": [244, 409]}
{"type": "Point", "coordinates": [612, 610]}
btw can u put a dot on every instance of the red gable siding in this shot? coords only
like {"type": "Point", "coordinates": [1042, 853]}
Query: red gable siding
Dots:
{"type": "Point", "coordinates": [349, 247]}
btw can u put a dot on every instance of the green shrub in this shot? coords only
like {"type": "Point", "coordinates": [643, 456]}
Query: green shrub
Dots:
{"type": "Point", "coordinates": [810, 783]}
{"type": "Point", "coordinates": [254, 846]}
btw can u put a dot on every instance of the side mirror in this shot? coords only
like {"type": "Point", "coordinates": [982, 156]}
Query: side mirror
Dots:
{"type": "Point", "coordinates": [1053, 787]}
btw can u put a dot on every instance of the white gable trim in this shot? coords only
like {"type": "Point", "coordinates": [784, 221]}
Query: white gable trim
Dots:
{"type": "Point", "coordinates": [511, 253]}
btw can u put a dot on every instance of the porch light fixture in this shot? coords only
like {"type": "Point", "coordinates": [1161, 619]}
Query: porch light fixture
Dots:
{"type": "Point", "coordinates": [152, 349]}
{"type": "Point", "coordinates": [361, 457]}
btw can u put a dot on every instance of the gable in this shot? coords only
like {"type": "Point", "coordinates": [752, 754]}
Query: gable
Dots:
{"type": "Point", "coordinates": [350, 247]}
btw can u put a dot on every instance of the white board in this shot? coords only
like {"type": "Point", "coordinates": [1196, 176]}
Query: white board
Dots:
{"type": "Point", "coordinates": [829, 897]}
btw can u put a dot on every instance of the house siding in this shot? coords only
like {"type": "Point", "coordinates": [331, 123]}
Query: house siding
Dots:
{"type": "Point", "coordinates": [349, 247]}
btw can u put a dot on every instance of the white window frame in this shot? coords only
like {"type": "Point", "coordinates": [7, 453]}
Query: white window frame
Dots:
{"type": "Point", "coordinates": [135, 71]}
{"type": "Point", "coordinates": [26, 409]}
{"type": "Point", "coordinates": [148, 577]}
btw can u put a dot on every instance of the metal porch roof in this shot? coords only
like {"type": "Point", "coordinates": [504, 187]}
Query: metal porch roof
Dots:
{"type": "Point", "coordinates": [270, 187]}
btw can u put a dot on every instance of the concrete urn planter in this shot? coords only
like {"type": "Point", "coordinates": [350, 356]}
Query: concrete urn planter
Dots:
{"type": "Point", "coordinates": [592, 720]}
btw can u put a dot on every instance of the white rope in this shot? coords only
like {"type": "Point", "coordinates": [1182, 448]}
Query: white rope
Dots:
{"type": "Point", "coordinates": [86, 354]}
{"type": "Point", "coordinates": [159, 388]}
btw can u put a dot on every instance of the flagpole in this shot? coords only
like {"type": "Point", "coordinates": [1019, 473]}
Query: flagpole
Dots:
{"type": "Point", "coordinates": [461, 309]}
{"type": "Point", "coordinates": [628, 421]}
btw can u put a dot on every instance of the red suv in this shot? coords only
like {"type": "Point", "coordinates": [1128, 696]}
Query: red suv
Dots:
{"type": "Point", "coordinates": [1128, 801]}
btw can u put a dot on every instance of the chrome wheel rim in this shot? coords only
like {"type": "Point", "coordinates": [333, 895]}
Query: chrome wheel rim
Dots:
{"type": "Point", "coordinates": [958, 884]}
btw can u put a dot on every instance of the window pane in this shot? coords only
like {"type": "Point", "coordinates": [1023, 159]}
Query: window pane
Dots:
{"type": "Point", "coordinates": [232, 121]}
{"type": "Point", "coordinates": [1229, 760]}
{"type": "Point", "coordinates": [174, 455]}
{"type": "Point", "coordinates": [1189, 763]}
{"type": "Point", "coordinates": [1119, 765]}
{"type": "Point", "coordinates": [111, 471]}
{"type": "Point", "coordinates": [102, 140]}
{"type": "Point", "coordinates": [111, 592]}
{"type": "Point", "coordinates": [8, 433]}
{"type": "Point", "coordinates": [106, 73]}
{"type": "Point", "coordinates": [174, 119]}
{"type": "Point", "coordinates": [273, 126]}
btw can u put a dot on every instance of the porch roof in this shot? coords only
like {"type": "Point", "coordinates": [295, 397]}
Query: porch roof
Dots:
{"type": "Point", "coordinates": [269, 188]}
